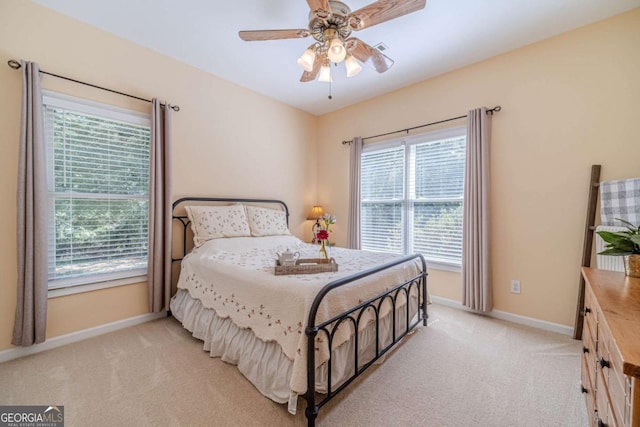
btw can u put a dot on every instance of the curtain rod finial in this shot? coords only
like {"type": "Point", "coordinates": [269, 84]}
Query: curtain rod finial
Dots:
{"type": "Point", "coordinates": [347, 142]}
{"type": "Point", "coordinates": [14, 64]}
{"type": "Point", "coordinates": [494, 110]}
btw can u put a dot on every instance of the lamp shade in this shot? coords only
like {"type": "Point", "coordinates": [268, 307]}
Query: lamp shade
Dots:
{"type": "Point", "coordinates": [336, 52]}
{"type": "Point", "coordinates": [316, 212]}
{"type": "Point", "coordinates": [306, 60]}
{"type": "Point", "coordinates": [352, 65]}
{"type": "Point", "coordinates": [325, 74]}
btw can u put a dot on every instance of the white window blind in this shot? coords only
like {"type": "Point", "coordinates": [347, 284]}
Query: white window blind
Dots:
{"type": "Point", "coordinates": [436, 199]}
{"type": "Point", "coordinates": [382, 192]}
{"type": "Point", "coordinates": [412, 196]}
{"type": "Point", "coordinates": [98, 178]}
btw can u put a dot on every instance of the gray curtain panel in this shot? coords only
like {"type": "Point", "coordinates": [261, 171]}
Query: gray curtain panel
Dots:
{"type": "Point", "coordinates": [31, 305]}
{"type": "Point", "coordinates": [159, 269]}
{"type": "Point", "coordinates": [353, 232]}
{"type": "Point", "coordinates": [476, 265]}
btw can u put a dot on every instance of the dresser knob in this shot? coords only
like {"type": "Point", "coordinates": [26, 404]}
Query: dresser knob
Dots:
{"type": "Point", "coordinates": [583, 390]}
{"type": "Point", "coordinates": [587, 310]}
{"type": "Point", "coordinates": [585, 350]}
{"type": "Point", "coordinates": [601, 423]}
{"type": "Point", "coordinates": [604, 363]}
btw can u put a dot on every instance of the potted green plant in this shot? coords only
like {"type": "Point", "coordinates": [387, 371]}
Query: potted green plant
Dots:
{"type": "Point", "coordinates": [624, 243]}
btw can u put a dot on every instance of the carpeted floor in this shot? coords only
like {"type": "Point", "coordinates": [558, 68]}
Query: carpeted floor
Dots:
{"type": "Point", "coordinates": [462, 370]}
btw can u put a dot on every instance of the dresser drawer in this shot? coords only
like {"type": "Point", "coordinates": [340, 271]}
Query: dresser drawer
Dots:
{"type": "Point", "coordinates": [587, 382]}
{"type": "Point", "coordinates": [604, 412]}
{"type": "Point", "coordinates": [610, 363]}
{"type": "Point", "coordinates": [589, 351]}
{"type": "Point", "coordinates": [602, 355]}
{"type": "Point", "coordinates": [605, 418]}
{"type": "Point", "coordinates": [602, 397]}
{"type": "Point", "coordinates": [590, 313]}
{"type": "Point", "coordinates": [617, 393]}
{"type": "Point", "coordinates": [611, 419]}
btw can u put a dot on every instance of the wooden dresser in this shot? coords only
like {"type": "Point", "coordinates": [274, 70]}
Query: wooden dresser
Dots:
{"type": "Point", "coordinates": [611, 348]}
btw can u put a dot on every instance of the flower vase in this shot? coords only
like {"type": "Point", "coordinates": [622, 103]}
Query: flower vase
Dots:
{"type": "Point", "coordinates": [324, 253]}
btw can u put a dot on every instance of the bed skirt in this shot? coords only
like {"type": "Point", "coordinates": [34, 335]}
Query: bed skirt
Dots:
{"type": "Point", "coordinates": [263, 363]}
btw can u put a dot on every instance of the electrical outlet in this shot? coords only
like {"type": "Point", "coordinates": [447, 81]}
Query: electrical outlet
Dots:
{"type": "Point", "coordinates": [515, 286]}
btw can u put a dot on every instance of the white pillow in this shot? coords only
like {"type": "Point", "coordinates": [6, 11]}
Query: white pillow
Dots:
{"type": "Point", "coordinates": [267, 222]}
{"type": "Point", "coordinates": [214, 222]}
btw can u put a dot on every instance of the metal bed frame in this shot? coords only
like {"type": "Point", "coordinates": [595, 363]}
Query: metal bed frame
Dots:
{"type": "Point", "coordinates": [352, 315]}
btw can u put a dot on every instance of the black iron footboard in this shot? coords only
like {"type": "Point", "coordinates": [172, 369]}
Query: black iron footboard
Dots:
{"type": "Point", "coordinates": [354, 315]}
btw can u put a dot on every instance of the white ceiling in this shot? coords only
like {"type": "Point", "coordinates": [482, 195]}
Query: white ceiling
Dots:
{"type": "Point", "coordinates": [445, 35]}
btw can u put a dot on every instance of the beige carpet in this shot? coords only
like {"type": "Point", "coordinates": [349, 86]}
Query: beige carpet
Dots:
{"type": "Point", "coordinates": [462, 370]}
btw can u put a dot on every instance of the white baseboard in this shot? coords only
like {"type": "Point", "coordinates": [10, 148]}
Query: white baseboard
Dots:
{"type": "Point", "coordinates": [14, 353]}
{"type": "Point", "coordinates": [510, 317]}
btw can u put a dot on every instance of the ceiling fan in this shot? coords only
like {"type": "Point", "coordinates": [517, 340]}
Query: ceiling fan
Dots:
{"type": "Point", "coordinates": [330, 24]}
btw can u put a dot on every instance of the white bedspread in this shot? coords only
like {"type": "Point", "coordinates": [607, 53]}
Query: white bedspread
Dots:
{"type": "Point", "coordinates": [235, 277]}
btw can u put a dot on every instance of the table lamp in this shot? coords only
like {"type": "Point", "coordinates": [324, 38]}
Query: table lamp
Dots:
{"type": "Point", "coordinates": [315, 214]}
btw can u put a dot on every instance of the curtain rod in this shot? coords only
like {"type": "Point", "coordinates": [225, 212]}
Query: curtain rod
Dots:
{"type": "Point", "coordinates": [16, 65]}
{"type": "Point", "coordinates": [491, 111]}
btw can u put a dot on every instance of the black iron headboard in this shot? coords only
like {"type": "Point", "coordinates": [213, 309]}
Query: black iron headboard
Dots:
{"type": "Point", "coordinates": [188, 200]}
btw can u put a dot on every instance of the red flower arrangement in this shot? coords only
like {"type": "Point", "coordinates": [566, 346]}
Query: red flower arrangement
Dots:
{"type": "Point", "coordinates": [322, 235]}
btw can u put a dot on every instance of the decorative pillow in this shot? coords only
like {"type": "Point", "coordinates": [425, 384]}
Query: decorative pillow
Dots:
{"type": "Point", "coordinates": [214, 222]}
{"type": "Point", "coordinates": [267, 222]}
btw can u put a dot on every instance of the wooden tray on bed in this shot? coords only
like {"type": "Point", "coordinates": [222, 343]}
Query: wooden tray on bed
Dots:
{"type": "Point", "coordinates": [307, 266]}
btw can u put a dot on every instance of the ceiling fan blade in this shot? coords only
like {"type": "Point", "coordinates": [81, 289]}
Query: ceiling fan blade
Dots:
{"type": "Point", "coordinates": [380, 61]}
{"type": "Point", "coordinates": [320, 7]}
{"type": "Point", "coordinates": [382, 11]}
{"type": "Point", "coordinates": [272, 34]}
{"type": "Point", "coordinates": [309, 76]}
{"type": "Point", "coordinates": [368, 55]}
{"type": "Point", "coordinates": [358, 48]}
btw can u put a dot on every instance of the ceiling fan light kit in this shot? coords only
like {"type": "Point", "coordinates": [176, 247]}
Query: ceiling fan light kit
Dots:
{"type": "Point", "coordinates": [336, 52]}
{"type": "Point", "coordinates": [325, 74]}
{"type": "Point", "coordinates": [330, 24]}
{"type": "Point", "coordinates": [307, 59]}
{"type": "Point", "coordinates": [352, 66]}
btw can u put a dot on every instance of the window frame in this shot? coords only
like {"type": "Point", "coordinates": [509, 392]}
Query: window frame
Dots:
{"type": "Point", "coordinates": [71, 285]}
{"type": "Point", "coordinates": [408, 202]}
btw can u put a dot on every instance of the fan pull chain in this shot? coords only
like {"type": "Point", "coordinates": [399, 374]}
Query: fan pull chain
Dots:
{"type": "Point", "coordinates": [330, 97]}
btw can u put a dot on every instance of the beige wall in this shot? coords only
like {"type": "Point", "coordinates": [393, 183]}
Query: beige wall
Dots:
{"type": "Point", "coordinates": [568, 102]}
{"type": "Point", "coordinates": [228, 141]}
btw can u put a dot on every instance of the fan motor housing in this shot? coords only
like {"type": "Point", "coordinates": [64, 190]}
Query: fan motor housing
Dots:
{"type": "Point", "coordinates": [337, 20]}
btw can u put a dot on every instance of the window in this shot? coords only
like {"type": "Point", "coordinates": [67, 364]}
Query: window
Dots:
{"type": "Point", "coordinates": [412, 192]}
{"type": "Point", "coordinates": [98, 180]}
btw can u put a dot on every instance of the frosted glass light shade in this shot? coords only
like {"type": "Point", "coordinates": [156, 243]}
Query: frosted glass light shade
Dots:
{"type": "Point", "coordinates": [352, 66]}
{"type": "Point", "coordinates": [306, 60]}
{"type": "Point", "coordinates": [336, 52]}
{"type": "Point", "coordinates": [325, 74]}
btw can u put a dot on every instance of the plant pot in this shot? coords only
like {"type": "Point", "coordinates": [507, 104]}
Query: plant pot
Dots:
{"type": "Point", "coordinates": [632, 265]}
